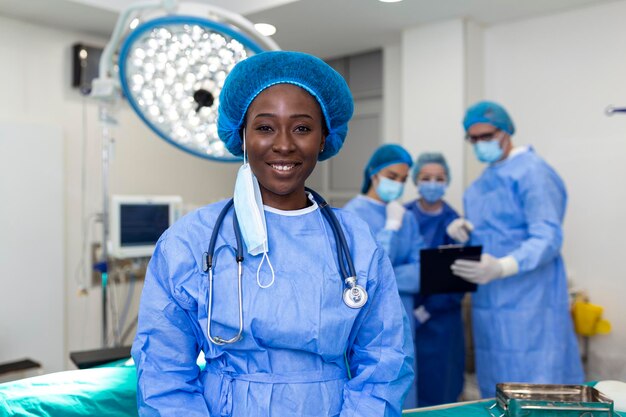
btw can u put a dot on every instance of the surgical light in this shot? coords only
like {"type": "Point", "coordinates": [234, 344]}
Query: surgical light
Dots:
{"type": "Point", "coordinates": [172, 70]}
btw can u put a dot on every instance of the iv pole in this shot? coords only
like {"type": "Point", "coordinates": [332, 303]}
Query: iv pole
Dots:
{"type": "Point", "coordinates": [106, 88]}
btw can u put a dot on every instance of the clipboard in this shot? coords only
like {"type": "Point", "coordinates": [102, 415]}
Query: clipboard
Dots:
{"type": "Point", "coordinates": [436, 275]}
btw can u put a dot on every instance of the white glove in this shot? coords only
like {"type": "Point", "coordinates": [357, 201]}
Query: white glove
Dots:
{"type": "Point", "coordinates": [395, 212]}
{"type": "Point", "coordinates": [486, 270]}
{"type": "Point", "coordinates": [460, 229]}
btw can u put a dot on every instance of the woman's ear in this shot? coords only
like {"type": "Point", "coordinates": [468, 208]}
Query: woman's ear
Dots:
{"type": "Point", "coordinates": [322, 144]}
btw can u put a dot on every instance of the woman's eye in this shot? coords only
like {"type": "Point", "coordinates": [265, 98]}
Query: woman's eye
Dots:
{"type": "Point", "coordinates": [302, 129]}
{"type": "Point", "coordinates": [264, 128]}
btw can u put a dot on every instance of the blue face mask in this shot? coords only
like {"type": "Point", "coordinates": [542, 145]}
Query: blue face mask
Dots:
{"type": "Point", "coordinates": [251, 215]}
{"type": "Point", "coordinates": [488, 151]}
{"type": "Point", "coordinates": [389, 190]}
{"type": "Point", "coordinates": [432, 191]}
{"type": "Point", "coordinates": [250, 212]}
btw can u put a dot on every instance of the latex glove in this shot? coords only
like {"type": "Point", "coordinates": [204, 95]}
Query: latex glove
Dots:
{"type": "Point", "coordinates": [395, 212]}
{"type": "Point", "coordinates": [460, 229]}
{"type": "Point", "coordinates": [486, 270]}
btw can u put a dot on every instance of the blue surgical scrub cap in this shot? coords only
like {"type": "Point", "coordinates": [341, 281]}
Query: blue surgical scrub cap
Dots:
{"type": "Point", "coordinates": [253, 75]}
{"type": "Point", "coordinates": [384, 156]}
{"type": "Point", "coordinates": [429, 158]}
{"type": "Point", "coordinates": [488, 112]}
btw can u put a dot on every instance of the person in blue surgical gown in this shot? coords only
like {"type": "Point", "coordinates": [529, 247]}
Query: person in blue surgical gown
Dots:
{"type": "Point", "coordinates": [522, 327]}
{"type": "Point", "coordinates": [303, 351]}
{"type": "Point", "coordinates": [441, 353]}
{"type": "Point", "coordinates": [396, 231]}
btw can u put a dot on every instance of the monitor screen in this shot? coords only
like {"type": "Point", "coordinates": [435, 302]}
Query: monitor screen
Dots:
{"type": "Point", "coordinates": [142, 224]}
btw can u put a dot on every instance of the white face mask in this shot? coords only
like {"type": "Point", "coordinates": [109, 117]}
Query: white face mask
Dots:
{"type": "Point", "coordinates": [250, 213]}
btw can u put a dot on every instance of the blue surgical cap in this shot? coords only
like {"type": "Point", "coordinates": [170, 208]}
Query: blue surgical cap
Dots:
{"type": "Point", "coordinates": [384, 156]}
{"type": "Point", "coordinates": [488, 112]}
{"type": "Point", "coordinates": [253, 75]}
{"type": "Point", "coordinates": [429, 158]}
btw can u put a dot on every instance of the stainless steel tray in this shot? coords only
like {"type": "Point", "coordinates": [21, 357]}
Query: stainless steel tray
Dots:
{"type": "Point", "coordinates": [546, 400]}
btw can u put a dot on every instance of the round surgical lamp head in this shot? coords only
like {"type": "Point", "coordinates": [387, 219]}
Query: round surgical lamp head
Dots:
{"type": "Point", "coordinates": [172, 70]}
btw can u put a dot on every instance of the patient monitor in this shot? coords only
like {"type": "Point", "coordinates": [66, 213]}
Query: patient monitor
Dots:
{"type": "Point", "coordinates": [137, 222]}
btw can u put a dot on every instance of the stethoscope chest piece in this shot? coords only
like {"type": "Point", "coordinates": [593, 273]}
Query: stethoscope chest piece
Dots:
{"type": "Point", "coordinates": [354, 296]}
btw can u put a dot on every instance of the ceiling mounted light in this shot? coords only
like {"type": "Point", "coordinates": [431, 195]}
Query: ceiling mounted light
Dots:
{"type": "Point", "coordinates": [390, 1]}
{"type": "Point", "coordinates": [134, 23]}
{"type": "Point", "coordinates": [265, 29]}
{"type": "Point", "coordinates": [172, 70]}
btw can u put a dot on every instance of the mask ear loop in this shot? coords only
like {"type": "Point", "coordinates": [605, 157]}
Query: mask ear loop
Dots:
{"type": "Point", "coordinates": [245, 152]}
{"type": "Point", "coordinates": [258, 278]}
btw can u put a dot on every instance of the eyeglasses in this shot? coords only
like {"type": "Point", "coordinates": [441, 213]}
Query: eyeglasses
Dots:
{"type": "Point", "coordinates": [484, 137]}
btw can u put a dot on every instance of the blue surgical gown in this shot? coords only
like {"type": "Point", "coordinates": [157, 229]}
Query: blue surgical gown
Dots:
{"type": "Point", "coordinates": [440, 343]}
{"type": "Point", "coordinates": [523, 331]}
{"type": "Point", "coordinates": [290, 361]}
{"type": "Point", "coordinates": [403, 248]}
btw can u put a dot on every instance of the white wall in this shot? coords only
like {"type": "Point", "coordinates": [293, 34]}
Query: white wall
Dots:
{"type": "Point", "coordinates": [35, 85]}
{"type": "Point", "coordinates": [555, 75]}
{"type": "Point", "coordinates": [392, 93]}
{"type": "Point", "coordinates": [31, 250]}
{"type": "Point", "coordinates": [433, 96]}
{"type": "Point", "coordinates": [474, 89]}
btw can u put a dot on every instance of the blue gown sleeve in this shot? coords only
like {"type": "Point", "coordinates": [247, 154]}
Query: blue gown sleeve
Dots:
{"type": "Point", "coordinates": [165, 349]}
{"type": "Point", "coordinates": [407, 267]}
{"type": "Point", "coordinates": [381, 355]}
{"type": "Point", "coordinates": [543, 199]}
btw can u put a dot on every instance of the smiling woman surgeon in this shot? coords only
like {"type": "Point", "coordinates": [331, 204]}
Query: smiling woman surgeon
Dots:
{"type": "Point", "coordinates": [278, 329]}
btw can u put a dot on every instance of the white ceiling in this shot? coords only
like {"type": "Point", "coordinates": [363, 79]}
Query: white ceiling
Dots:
{"type": "Point", "coordinates": [337, 27]}
{"type": "Point", "coordinates": [326, 28]}
{"type": "Point", "coordinates": [237, 6]}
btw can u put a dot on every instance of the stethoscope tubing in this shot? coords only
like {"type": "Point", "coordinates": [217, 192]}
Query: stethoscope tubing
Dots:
{"type": "Point", "coordinates": [343, 251]}
{"type": "Point", "coordinates": [358, 293]}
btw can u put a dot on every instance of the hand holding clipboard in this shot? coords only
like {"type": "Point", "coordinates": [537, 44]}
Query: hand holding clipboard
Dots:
{"type": "Point", "coordinates": [436, 273]}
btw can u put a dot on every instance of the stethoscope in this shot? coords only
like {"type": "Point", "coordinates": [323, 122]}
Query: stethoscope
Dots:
{"type": "Point", "coordinates": [354, 295]}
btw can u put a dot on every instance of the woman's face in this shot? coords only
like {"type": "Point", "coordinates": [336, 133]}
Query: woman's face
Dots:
{"type": "Point", "coordinates": [284, 136]}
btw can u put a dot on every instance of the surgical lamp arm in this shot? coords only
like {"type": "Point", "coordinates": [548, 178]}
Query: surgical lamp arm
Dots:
{"type": "Point", "coordinates": [106, 61]}
{"type": "Point", "coordinates": [242, 23]}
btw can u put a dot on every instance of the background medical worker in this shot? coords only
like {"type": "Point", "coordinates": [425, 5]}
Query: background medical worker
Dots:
{"type": "Point", "coordinates": [440, 344]}
{"type": "Point", "coordinates": [522, 326]}
{"type": "Point", "coordinates": [284, 111]}
{"type": "Point", "coordinates": [396, 231]}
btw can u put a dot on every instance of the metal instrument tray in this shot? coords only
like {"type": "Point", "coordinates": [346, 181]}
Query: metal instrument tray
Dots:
{"type": "Point", "coordinates": [547, 400]}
